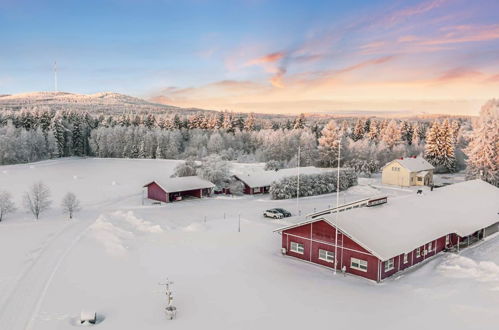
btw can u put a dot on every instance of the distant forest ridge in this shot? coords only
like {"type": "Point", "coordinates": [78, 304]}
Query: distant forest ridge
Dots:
{"type": "Point", "coordinates": [108, 103]}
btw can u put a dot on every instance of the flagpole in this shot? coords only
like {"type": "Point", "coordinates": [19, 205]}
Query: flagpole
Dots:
{"type": "Point", "coordinates": [337, 209]}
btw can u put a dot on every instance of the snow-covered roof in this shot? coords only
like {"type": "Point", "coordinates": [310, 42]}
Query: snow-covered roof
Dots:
{"type": "Point", "coordinates": [265, 178]}
{"type": "Point", "coordinates": [407, 222]}
{"type": "Point", "coordinates": [413, 164]}
{"type": "Point", "coordinates": [184, 183]}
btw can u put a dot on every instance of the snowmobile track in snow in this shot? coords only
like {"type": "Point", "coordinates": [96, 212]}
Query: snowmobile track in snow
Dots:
{"type": "Point", "coordinates": [21, 307]}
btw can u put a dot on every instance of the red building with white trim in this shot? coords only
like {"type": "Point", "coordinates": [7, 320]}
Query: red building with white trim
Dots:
{"type": "Point", "coordinates": [379, 241]}
{"type": "Point", "coordinates": [174, 189]}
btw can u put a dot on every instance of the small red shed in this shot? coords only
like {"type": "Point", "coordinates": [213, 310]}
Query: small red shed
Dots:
{"type": "Point", "coordinates": [174, 189]}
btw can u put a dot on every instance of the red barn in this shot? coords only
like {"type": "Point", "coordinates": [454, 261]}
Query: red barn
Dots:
{"type": "Point", "coordinates": [379, 241]}
{"type": "Point", "coordinates": [173, 189]}
{"type": "Point", "coordinates": [259, 182]}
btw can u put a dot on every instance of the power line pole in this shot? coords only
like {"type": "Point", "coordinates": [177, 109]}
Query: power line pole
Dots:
{"type": "Point", "coordinates": [298, 184]}
{"type": "Point", "coordinates": [337, 209]}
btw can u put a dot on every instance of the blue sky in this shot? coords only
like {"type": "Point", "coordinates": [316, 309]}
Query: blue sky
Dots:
{"type": "Point", "coordinates": [255, 54]}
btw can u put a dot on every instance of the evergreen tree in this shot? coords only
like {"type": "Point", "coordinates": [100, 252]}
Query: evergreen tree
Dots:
{"type": "Point", "coordinates": [358, 130]}
{"type": "Point", "coordinates": [439, 147]}
{"type": "Point", "coordinates": [328, 144]}
{"type": "Point", "coordinates": [299, 122]}
{"type": "Point", "coordinates": [483, 149]}
{"type": "Point", "coordinates": [391, 135]}
{"type": "Point", "coordinates": [249, 124]}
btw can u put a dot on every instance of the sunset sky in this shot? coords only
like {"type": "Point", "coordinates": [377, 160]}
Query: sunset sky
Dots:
{"type": "Point", "coordinates": [257, 55]}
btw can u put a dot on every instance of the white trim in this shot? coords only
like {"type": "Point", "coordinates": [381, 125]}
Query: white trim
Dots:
{"type": "Point", "coordinates": [329, 256]}
{"type": "Point", "coordinates": [298, 247]}
{"type": "Point", "coordinates": [360, 262]}
{"type": "Point", "coordinates": [331, 244]}
{"type": "Point", "coordinates": [389, 265]}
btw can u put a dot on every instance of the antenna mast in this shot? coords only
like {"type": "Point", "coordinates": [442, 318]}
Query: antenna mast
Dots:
{"type": "Point", "coordinates": [55, 76]}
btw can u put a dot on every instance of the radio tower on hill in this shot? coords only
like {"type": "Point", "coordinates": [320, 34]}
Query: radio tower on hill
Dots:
{"type": "Point", "coordinates": [55, 76]}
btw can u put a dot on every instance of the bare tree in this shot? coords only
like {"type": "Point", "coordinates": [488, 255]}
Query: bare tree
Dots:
{"type": "Point", "coordinates": [37, 199]}
{"type": "Point", "coordinates": [70, 204]}
{"type": "Point", "coordinates": [6, 204]}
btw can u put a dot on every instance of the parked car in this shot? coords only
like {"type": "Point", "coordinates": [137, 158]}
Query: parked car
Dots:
{"type": "Point", "coordinates": [273, 213]}
{"type": "Point", "coordinates": [284, 212]}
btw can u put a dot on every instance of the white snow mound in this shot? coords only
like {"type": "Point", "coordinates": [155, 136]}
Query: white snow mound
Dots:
{"type": "Point", "coordinates": [110, 236]}
{"type": "Point", "coordinates": [456, 266]}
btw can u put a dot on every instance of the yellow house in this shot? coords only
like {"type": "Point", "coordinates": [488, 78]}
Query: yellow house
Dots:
{"type": "Point", "coordinates": [410, 171]}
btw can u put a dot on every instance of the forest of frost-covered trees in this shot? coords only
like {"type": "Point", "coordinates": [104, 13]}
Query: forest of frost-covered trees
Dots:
{"type": "Point", "coordinates": [366, 143]}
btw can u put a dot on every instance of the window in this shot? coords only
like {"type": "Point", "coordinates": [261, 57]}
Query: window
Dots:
{"type": "Point", "coordinates": [418, 253]}
{"type": "Point", "coordinates": [420, 179]}
{"type": "Point", "coordinates": [256, 190]}
{"type": "Point", "coordinates": [389, 265]}
{"type": "Point", "coordinates": [396, 169]}
{"type": "Point", "coordinates": [447, 240]}
{"type": "Point", "coordinates": [297, 247]}
{"type": "Point", "coordinates": [430, 246]}
{"type": "Point", "coordinates": [406, 258]}
{"type": "Point", "coordinates": [326, 255]}
{"type": "Point", "coordinates": [358, 264]}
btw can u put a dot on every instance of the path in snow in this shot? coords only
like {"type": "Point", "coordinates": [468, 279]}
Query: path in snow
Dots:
{"type": "Point", "coordinates": [21, 305]}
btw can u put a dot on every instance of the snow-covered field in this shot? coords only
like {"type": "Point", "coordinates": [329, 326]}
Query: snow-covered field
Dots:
{"type": "Point", "coordinates": [113, 255]}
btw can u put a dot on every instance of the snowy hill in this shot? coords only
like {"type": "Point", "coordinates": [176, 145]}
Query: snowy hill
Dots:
{"type": "Point", "coordinates": [105, 102]}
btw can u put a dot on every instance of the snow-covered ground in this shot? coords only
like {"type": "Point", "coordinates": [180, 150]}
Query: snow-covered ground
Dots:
{"type": "Point", "coordinates": [113, 255]}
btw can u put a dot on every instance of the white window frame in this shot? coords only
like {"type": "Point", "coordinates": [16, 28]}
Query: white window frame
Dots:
{"type": "Point", "coordinates": [389, 265]}
{"type": "Point", "coordinates": [328, 256]}
{"type": "Point", "coordinates": [358, 264]}
{"type": "Point", "coordinates": [406, 258]}
{"type": "Point", "coordinates": [447, 240]}
{"type": "Point", "coordinates": [257, 190]}
{"type": "Point", "coordinates": [430, 247]}
{"type": "Point", "coordinates": [418, 253]}
{"type": "Point", "coordinates": [297, 247]}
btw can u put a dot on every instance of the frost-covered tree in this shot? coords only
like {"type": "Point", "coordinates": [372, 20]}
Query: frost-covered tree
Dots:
{"type": "Point", "coordinates": [273, 165]}
{"type": "Point", "coordinates": [299, 122]}
{"type": "Point", "coordinates": [328, 144]}
{"type": "Point", "coordinates": [391, 134]}
{"type": "Point", "coordinates": [187, 168]}
{"type": "Point", "coordinates": [373, 132]}
{"type": "Point", "coordinates": [439, 147]}
{"type": "Point", "coordinates": [6, 204]}
{"type": "Point", "coordinates": [70, 204]}
{"type": "Point", "coordinates": [358, 130]}
{"type": "Point", "coordinates": [216, 170]}
{"type": "Point", "coordinates": [37, 199]}
{"type": "Point", "coordinates": [249, 123]}
{"type": "Point", "coordinates": [483, 149]}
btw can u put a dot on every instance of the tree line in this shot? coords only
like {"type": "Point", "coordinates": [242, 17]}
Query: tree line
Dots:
{"type": "Point", "coordinates": [450, 144]}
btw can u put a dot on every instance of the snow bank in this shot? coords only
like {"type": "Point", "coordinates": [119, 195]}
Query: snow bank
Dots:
{"type": "Point", "coordinates": [114, 230]}
{"type": "Point", "coordinates": [110, 236]}
{"type": "Point", "coordinates": [457, 266]}
{"type": "Point", "coordinates": [137, 223]}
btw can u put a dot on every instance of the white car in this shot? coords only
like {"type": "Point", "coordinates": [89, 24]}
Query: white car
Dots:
{"type": "Point", "coordinates": [273, 213]}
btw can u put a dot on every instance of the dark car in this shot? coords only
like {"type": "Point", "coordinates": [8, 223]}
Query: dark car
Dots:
{"type": "Point", "coordinates": [284, 212]}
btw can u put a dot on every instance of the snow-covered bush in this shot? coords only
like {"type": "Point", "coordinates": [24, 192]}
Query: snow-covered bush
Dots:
{"type": "Point", "coordinates": [273, 165]}
{"type": "Point", "coordinates": [187, 168]}
{"type": "Point", "coordinates": [312, 184]}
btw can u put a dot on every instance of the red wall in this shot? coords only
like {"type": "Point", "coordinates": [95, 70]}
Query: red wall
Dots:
{"type": "Point", "coordinates": [155, 192]}
{"type": "Point", "coordinates": [321, 235]}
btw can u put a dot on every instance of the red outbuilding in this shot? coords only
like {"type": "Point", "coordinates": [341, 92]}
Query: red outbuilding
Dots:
{"type": "Point", "coordinates": [174, 189]}
{"type": "Point", "coordinates": [378, 241]}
